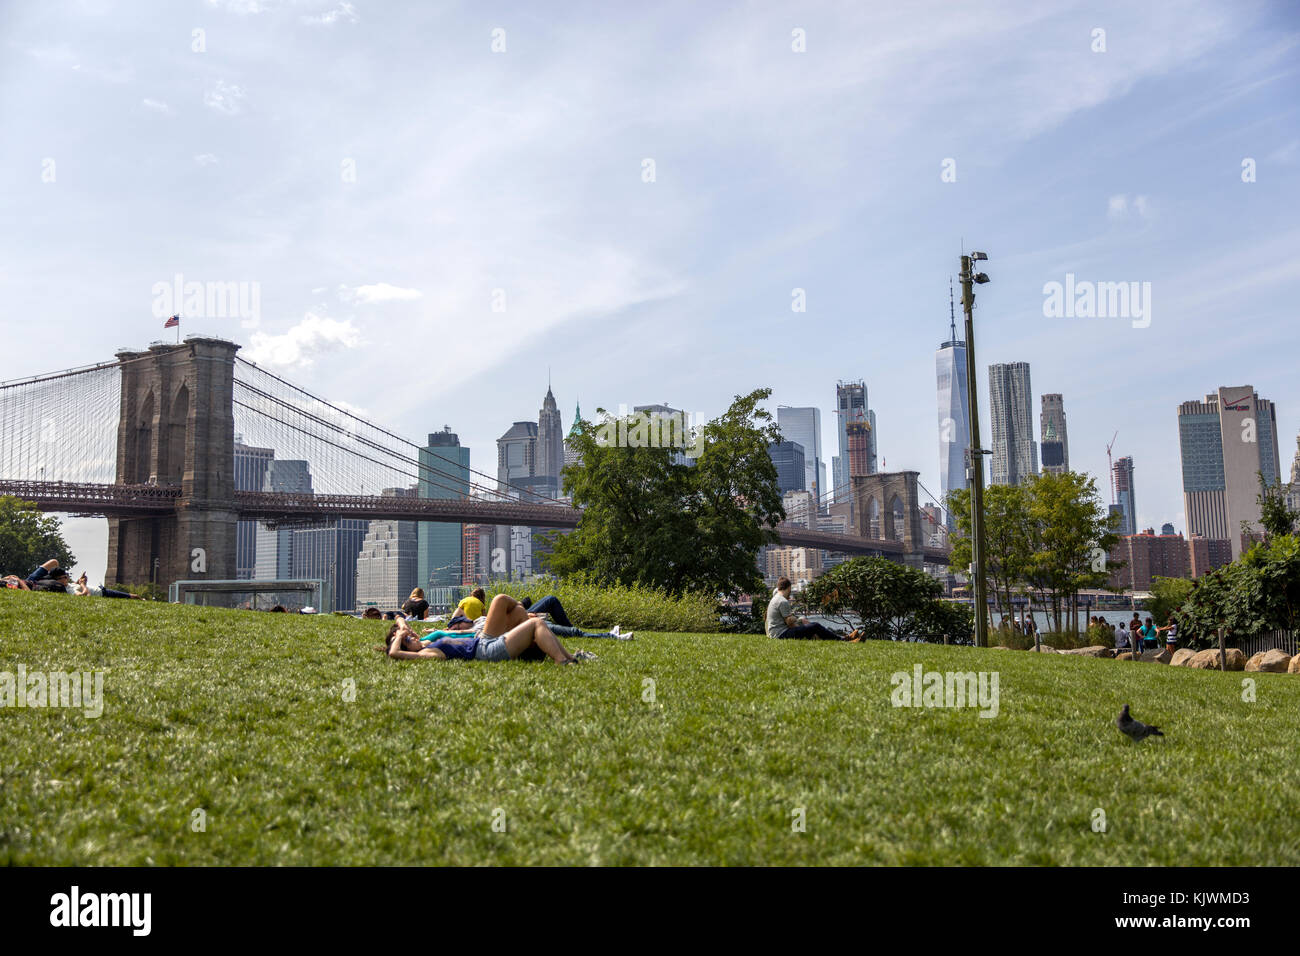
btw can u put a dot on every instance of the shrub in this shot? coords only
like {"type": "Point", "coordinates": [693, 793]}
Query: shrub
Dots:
{"type": "Point", "coordinates": [634, 607]}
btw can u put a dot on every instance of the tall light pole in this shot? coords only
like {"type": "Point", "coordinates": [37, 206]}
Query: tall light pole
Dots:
{"type": "Point", "coordinates": [975, 453]}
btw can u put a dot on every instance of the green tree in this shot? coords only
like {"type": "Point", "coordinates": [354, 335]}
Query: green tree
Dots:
{"type": "Point", "coordinates": [649, 520]}
{"type": "Point", "coordinates": [1167, 596]}
{"type": "Point", "coordinates": [29, 538]}
{"type": "Point", "coordinates": [1008, 539]}
{"type": "Point", "coordinates": [1274, 515]}
{"type": "Point", "coordinates": [1071, 533]}
{"type": "Point", "coordinates": [890, 600]}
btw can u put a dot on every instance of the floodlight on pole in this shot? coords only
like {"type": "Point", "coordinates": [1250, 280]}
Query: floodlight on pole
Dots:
{"type": "Point", "coordinates": [975, 454]}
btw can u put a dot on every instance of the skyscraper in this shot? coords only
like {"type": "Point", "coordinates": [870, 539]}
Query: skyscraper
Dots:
{"type": "Point", "coordinates": [788, 458]}
{"type": "Point", "coordinates": [444, 473]}
{"type": "Point", "coordinates": [858, 452]}
{"type": "Point", "coordinates": [1293, 495]}
{"type": "Point", "coordinates": [550, 444]}
{"type": "Point", "coordinates": [1125, 501]}
{"type": "Point", "coordinates": [804, 425]}
{"type": "Point", "coordinates": [1055, 443]}
{"type": "Point", "coordinates": [274, 547]}
{"type": "Point", "coordinates": [330, 554]}
{"type": "Point", "coordinates": [387, 565]}
{"type": "Point", "coordinates": [850, 409]}
{"type": "Point", "coordinates": [250, 475]}
{"type": "Point", "coordinates": [516, 478]}
{"type": "Point", "coordinates": [954, 411]}
{"type": "Point", "coordinates": [571, 454]}
{"type": "Point", "coordinates": [1015, 453]}
{"type": "Point", "coordinates": [1227, 442]}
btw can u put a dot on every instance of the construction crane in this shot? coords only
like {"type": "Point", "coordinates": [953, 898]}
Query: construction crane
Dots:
{"type": "Point", "coordinates": [1111, 465]}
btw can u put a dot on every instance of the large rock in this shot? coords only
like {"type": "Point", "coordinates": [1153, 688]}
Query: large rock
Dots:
{"type": "Point", "coordinates": [1095, 650]}
{"type": "Point", "coordinates": [1182, 656]}
{"type": "Point", "coordinates": [1044, 649]}
{"type": "Point", "coordinates": [1124, 656]}
{"type": "Point", "coordinates": [999, 647]}
{"type": "Point", "coordinates": [1208, 659]}
{"type": "Point", "coordinates": [1272, 661]}
{"type": "Point", "coordinates": [1159, 657]}
{"type": "Point", "coordinates": [1295, 665]}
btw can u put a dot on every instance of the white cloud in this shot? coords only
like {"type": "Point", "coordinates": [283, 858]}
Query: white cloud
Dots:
{"type": "Point", "coordinates": [329, 18]}
{"type": "Point", "coordinates": [1120, 206]}
{"type": "Point", "coordinates": [379, 292]}
{"type": "Point", "coordinates": [298, 347]}
{"type": "Point", "coordinates": [225, 98]}
{"type": "Point", "coordinates": [206, 159]}
{"type": "Point", "coordinates": [158, 106]}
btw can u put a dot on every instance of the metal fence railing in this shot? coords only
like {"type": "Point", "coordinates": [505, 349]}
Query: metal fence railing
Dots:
{"type": "Point", "coordinates": [1284, 641]}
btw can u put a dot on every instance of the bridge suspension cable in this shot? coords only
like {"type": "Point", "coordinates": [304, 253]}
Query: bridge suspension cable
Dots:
{"type": "Point", "coordinates": [355, 436]}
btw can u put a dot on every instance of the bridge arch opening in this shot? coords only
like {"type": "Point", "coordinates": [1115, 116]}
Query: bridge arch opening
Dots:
{"type": "Point", "coordinates": [873, 518]}
{"type": "Point", "coordinates": [141, 467]}
{"type": "Point", "coordinates": [177, 427]}
{"type": "Point", "coordinates": [895, 530]}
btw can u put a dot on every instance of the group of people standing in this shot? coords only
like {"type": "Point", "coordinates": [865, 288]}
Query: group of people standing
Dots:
{"type": "Point", "coordinates": [1137, 635]}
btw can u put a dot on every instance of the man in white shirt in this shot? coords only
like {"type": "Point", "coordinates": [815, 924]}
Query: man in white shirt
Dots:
{"type": "Point", "coordinates": [783, 623]}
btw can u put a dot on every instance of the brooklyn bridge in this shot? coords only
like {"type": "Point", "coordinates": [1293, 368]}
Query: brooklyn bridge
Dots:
{"type": "Point", "coordinates": [147, 441]}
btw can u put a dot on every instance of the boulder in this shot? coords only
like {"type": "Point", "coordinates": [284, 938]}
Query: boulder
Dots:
{"type": "Point", "coordinates": [1182, 656]}
{"type": "Point", "coordinates": [1272, 661]}
{"type": "Point", "coordinates": [1159, 657]}
{"type": "Point", "coordinates": [1208, 659]}
{"type": "Point", "coordinates": [1096, 650]}
{"type": "Point", "coordinates": [999, 647]}
{"type": "Point", "coordinates": [1294, 667]}
{"type": "Point", "coordinates": [1044, 649]}
{"type": "Point", "coordinates": [1124, 656]}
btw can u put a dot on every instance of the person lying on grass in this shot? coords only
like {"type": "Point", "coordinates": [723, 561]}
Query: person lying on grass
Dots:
{"type": "Point", "coordinates": [404, 644]}
{"type": "Point", "coordinates": [505, 612]}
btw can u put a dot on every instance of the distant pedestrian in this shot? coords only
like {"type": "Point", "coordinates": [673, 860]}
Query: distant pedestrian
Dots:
{"type": "Point", "coordinates": [1149, 636]}
{"type": "Point", "coordinates": [1121, 637]}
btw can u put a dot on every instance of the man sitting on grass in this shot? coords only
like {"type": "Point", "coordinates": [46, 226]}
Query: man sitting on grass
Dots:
{"type": "Point", "coordinates": [782, 622]}
{"type": "Point", "coordinates": [404, 644]}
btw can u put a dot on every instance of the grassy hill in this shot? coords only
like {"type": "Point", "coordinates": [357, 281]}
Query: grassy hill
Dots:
{"type": "Point", "coordinates": [243, 716]}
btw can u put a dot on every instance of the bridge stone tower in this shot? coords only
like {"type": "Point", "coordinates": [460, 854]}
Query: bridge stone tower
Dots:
{"type": "Point", "coordinates": [887, 506]}
{"type": "Point", "coordinates": [176, 429]}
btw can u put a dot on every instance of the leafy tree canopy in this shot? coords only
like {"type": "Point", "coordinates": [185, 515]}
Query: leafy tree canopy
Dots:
{"type": "Point", "coordinates": [29, 538]}
{"type": "Point", "coordinates": [649, 519]}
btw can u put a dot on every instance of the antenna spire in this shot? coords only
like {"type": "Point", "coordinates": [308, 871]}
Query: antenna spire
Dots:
{"type": "Point", "coordinates": [952, 313]}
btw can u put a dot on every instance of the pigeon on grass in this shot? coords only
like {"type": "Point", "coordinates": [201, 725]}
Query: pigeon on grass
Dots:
{"type": "Point", "coordinates": [1135, 728]}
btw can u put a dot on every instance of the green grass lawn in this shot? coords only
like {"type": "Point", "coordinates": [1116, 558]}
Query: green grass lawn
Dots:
{"type": "Point", "coordinates": [242, 714]}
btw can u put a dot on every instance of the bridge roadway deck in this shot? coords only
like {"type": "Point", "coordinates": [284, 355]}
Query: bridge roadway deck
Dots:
{"type": "Point", "coordinates": [124, 501]}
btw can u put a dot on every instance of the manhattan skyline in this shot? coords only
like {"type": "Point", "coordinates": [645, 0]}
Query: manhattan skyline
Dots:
{"type": "Point", "coordinates": [524, 171]}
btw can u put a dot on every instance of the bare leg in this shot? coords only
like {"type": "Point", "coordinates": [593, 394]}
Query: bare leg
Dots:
{"type": "Point", "coordinates": [503, 614]}
{"type": "Point", "coordinates": [534, 631]}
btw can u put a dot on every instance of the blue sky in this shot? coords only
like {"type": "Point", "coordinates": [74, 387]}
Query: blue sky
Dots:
{"type": "Point", "coordinates": [379, 170]}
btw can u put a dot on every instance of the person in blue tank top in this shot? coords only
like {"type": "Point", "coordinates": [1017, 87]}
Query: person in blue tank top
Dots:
{"type": "Point", "coordinates": [404, 644]}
